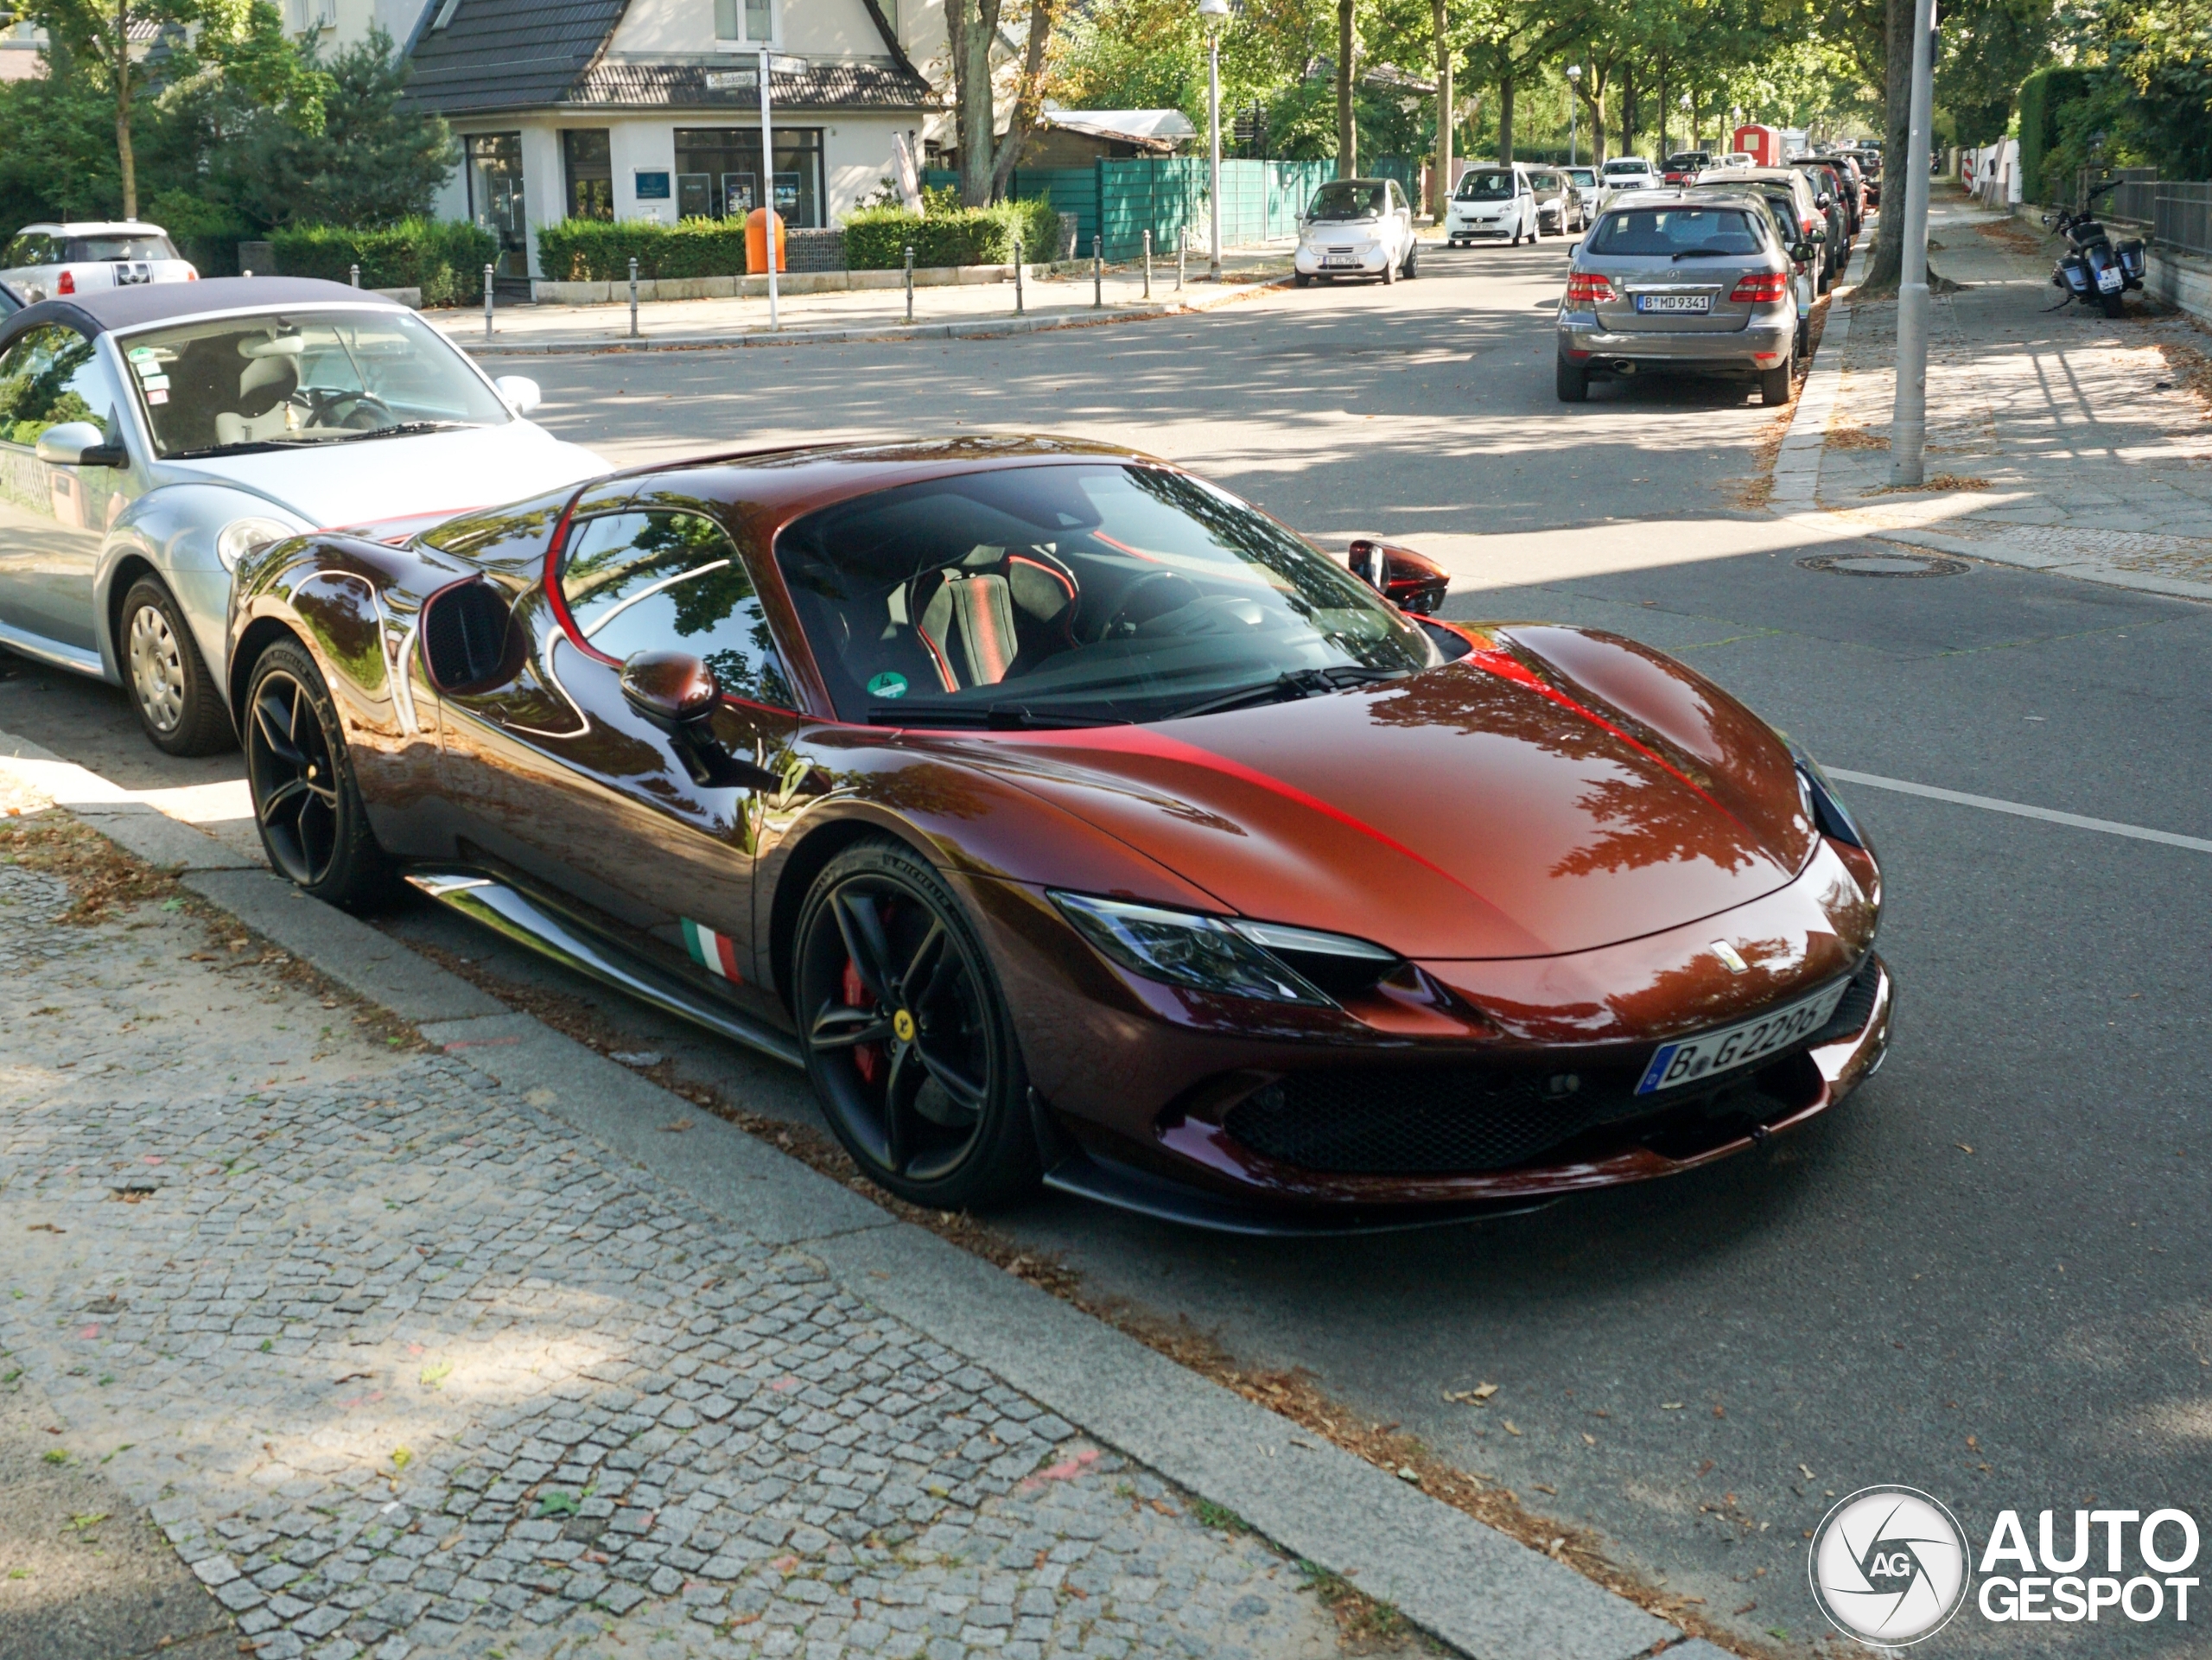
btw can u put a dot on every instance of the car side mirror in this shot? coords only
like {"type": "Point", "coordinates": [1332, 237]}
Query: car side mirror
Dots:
{"type": "Point", "coordinates": [671, 690]}
{"type": "Point", "coordinates": [521, 393]}
{"type": "Point", "coordinates": [1412, 581]}
{"type": "Point", "coordinates": [1804, 252]}
{"type": "Point", "coordinates": [79, 444]}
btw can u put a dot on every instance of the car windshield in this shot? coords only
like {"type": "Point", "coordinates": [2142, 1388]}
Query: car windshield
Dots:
{"type": "Point", "coordinates": [1579, 174]}
{"type": "Point", "coordinates": [285, 379]}
{"type": "Point", "coordinates": [1485, 184]}
{"type": "Point", "coordinates": [1676, 233]}
{"type": "Point", "coordinates": [1347, 199]}
{"type": "Point", "coordinates": [119, 247]}
{"type": "Point", "coordinates": [1683, 160]}
{"type": "Point", "coordinates": [1638, 166]}
{"type": "Point", "coordinates": [1075, 595]}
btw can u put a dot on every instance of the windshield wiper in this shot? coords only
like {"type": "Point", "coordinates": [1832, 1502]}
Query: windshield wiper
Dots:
{"type": "Point", "coordinates": [408, 429]}
{"type": "Point", "coordinates": [1706, 253]}
{"type": "Point", "coordinates": [1292, 684]}
{"type": "Point", "coordinates": [251, 447]}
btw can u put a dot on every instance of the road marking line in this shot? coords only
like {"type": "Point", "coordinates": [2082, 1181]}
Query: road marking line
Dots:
{"type": "Point", "coordinates": [2021, 810]}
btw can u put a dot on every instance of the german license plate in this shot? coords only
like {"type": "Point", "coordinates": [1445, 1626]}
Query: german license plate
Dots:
{"type": "Point", "coordinates": [1674, 302]}
{"type": "Point", "coordinates": [1693, 1059]}
{"type": "Point", "coordinates": [2108, 280]}
{"type": "Point", "coordinates": [1339, 260]}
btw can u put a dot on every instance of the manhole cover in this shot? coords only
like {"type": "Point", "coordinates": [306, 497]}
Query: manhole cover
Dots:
{"type": "Point", "coordinates": [1885, 564]}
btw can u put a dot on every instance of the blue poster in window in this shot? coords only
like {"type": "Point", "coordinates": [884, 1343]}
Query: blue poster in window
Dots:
{"type": "Point", "coordinates": [653, 187]}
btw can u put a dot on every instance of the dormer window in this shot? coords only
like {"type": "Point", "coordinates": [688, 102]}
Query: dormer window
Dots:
{"type": "Point", "coordinates": [744, 22]}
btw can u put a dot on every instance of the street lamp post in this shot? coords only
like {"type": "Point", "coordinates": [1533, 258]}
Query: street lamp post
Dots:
{"type": "Point", "coordinates": [1909, 416]}
{"type": "Point", "coordinates": [1214, 13]}
{"type": "Point", "coordinates": [1573, 113]}
{"type": "Point", "coordinates": [769, 62]}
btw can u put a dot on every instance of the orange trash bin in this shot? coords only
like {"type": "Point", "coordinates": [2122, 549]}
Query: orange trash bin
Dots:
{"type": "Point", "coordinates": [756, 241]}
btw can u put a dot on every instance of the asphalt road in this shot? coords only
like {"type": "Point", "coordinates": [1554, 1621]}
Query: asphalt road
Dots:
{"type": "Point", "coordinates": [1696, 1366]}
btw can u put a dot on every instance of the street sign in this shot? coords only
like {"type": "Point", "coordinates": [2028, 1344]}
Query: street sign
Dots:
{"type": "Point", "coordinates": [732, 80]}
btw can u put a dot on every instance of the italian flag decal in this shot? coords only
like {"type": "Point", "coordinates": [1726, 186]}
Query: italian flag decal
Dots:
{"type": "Point", "coordinates": [716, 953]}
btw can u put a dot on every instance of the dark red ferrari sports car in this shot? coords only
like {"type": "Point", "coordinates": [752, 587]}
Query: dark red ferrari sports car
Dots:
{"type": "Point", "coordinates": [1069, 819]}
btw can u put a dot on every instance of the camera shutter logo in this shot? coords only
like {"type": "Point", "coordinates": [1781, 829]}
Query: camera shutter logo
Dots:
{"type": "Point", "coordinates": [1889, 1566]}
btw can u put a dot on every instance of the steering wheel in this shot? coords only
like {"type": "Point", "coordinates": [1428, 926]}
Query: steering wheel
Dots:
{"type": "Point", "coordinates": [364, 411]}
{"type": "Point", "coordinates": [1122, 624]}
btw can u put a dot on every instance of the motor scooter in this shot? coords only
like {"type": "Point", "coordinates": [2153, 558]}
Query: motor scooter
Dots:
{"type": "Point", "coordinates": [2095, 267]}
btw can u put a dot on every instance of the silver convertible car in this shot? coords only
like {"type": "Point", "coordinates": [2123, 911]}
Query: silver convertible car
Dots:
{"type": "Point", "coordinates": [151, 436]}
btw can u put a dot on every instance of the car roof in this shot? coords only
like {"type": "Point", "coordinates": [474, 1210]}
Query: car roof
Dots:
{"type": "Point", "coordinates": [95, 227]}
{"type": "Point", "coordinates": [103, 309]}
{"type": "Point", "coordinates": [1738, 175]}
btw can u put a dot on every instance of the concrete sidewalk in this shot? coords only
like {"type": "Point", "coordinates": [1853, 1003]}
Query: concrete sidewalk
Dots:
{"type": "Point", "coordinates": [1061, 298]}
{"type": "Point", "coordinates": [2057, 439]}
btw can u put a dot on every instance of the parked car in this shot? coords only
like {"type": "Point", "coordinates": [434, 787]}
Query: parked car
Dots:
{"type": "Point", "coordinates": [1844, 182]}
{"type": "Point", "coordinates": [1688, 282]}
{"type": "Point", "coordinates": [1493, 201]}
{"type": "Point", "coordinates": [1072, 823]}
{"type": "Point", "coordinates": [47, 262]}
{"type": "Point", "coordinates": [1559, 205]}
{"type": "Point", "coordinates": [1798, 218]}
{"type": "Point", "coordinates": [1588, 189]}
{"type": "Point", "coordinates": [1685, 165]}
{"type": "Point", "coordinates": [155, 435]}
{"type": "Point", "coordinates": [1739, 158]}
{"type": "Point", "coordinates": [1627, 173]}
{"type": "Point", "coordinates": [1357, 227]}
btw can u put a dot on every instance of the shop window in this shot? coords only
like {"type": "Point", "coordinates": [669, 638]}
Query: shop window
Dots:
{"type": "Point", "coordinates": [718, 173]}
{"type": "Point", "coordinates": [588, 162]}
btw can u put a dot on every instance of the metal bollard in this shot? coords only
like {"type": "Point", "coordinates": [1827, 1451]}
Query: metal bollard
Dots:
{"type": "Point", "coordinates": [357, 276]}
{"type": "Point", "coordinates": [910, 281]}
{"type": "Point", "coordinates": [487, 302]}
{"type": "Point", "coordinates": [1179, 251]}
{"type": "Point", "coordinates": [1017, 276]}
{"type": "Point", "coordinates": [1098, 271]}
{"type": "Point", "coordinates": [633, 297]}
{"type": "Point", "coordinates": [1147, 263]}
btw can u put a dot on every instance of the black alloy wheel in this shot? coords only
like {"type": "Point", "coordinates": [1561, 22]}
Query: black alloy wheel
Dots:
{"type": "Point", "coordinates": [907, 1036]}
{"type": "Point", "coordinates": [306, 800]}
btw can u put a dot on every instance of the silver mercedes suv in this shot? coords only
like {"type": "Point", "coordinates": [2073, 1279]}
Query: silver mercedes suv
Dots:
{"type": "Point", "coordinates": [1681, 283]}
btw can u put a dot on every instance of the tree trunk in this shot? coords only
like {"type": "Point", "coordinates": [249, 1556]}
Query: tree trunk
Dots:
{"type": "Point", "coordinates": [1347, 127]}
{"type": "Point", "coordinates": [1441, 185]}
{"type": "Point", "coordinates": [969, 33]}
{"type": "Point", "coordinates": [1628, 110]}
{"type": "Point", "coordinates": [1028, 97]}
{"type": "Point", "coordinates": [1505, 119]}
{"type": "Point", "coordinates": [1665, 111]}
{"type": "Point", "coordinates": [122, 150]}
{"type": "Point", "coordinates": [1885, 268]}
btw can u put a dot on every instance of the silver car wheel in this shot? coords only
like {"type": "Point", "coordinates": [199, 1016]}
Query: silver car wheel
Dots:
{"type": "Point", "coordinates": [156, 670]}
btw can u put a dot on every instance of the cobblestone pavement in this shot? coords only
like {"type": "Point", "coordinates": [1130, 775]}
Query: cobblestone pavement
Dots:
{"type": "Point", "coordinates": [2052, 420]}
{"type": "Point", "coordinates": [403, 1368]}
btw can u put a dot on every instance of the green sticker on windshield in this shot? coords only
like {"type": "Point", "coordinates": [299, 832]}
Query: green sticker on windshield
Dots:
{"type": "Point", "coordinates": [889, 683]}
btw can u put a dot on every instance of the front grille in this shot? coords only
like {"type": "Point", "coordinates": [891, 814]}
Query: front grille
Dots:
{"type": "Point", "coordinates": [1403, 1121]}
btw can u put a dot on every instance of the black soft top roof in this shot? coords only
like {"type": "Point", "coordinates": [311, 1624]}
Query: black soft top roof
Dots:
{"type": "Point", "coordinates": [153, 303]}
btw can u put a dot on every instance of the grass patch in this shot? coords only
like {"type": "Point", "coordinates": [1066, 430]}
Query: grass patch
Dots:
{"type": "Point", "coordinates": [1219, 1518]}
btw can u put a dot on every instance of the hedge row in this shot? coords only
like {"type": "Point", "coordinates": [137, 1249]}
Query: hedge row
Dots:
{"type": "Point", "coordinates": [600, 251]}
{"type": "Point", "coordinates": [2042, 95]}
{"type": "Point", "coordinates": [876, 238]}
{"type": "Point", "coordinates": [443, 258]}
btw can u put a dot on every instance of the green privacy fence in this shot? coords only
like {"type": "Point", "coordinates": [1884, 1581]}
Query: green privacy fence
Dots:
{"type": "Point", "coordinates": [1119, 201]}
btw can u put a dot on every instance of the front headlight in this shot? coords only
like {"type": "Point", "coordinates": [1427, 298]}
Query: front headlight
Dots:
{"type": "Point", "coordinates": [1187, 948]}
{"type": "Point", "coordinates": [244, 536]}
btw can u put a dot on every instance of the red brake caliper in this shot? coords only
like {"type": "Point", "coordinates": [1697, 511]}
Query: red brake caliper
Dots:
{"type": "Point", "coordinates": [867, 1057]}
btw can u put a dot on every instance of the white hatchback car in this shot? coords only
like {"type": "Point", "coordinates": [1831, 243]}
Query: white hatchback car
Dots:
{"type": "Point", "coordinates": [49, 262]}
{"type": "Point", "coordinates": [1357, 227]}
{"type": "Point", "coordinates": [1626, 173]}
{"type": "Point", "coordinates": [1497, 202]}
{"type": "Point", "coordinates": [155, 437]}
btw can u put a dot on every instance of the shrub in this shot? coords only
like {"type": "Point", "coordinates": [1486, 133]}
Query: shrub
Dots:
{"type": "Point", "coordinates": [600, 251]}
{"type": "Point", "coordinates": [876, 238]}
{"type": "Point", "coordinates": [2043, 95]}
{"type": "Point", "coordinates": [443, 258]}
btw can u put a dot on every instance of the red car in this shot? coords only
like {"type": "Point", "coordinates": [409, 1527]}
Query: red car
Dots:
{"type": "Point", "coordinates": [1070, 820]}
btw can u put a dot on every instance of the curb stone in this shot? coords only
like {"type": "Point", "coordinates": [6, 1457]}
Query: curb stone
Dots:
{"type": "Point", "coordinates": [1480, 1590]}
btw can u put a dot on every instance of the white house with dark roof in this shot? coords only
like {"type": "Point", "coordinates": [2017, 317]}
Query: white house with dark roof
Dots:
{"type": "Point", "coordinates": [650, 109]}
